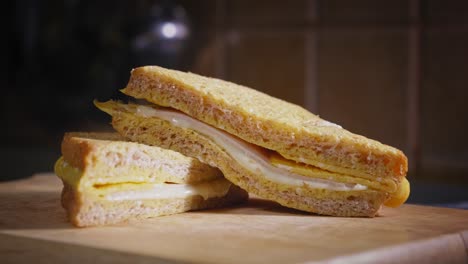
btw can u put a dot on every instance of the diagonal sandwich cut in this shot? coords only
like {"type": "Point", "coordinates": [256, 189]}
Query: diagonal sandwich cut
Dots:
{"type": "Point", "coordinates": [108, 179]}
{"type": "Point", "coordinates": [269, 147]}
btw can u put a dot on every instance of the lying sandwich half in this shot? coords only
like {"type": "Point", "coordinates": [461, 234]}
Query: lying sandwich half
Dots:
{"type": "Point", "coordinates": [109, 180]}
{"type": "Point", "coordinates": [269, 147]}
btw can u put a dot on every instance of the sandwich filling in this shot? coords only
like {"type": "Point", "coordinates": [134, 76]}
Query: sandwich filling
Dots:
{"type": "Point", "coordinates": [250, 156]}
{"type": "Point", "coordinates": [271, 165]}
{"type": "Point", "coordinates": [141, 191]}
{"type": "Point", "coordinates": [266, 163]}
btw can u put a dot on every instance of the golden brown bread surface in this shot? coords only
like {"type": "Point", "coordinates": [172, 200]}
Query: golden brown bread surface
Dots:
{"type": "Point", "coordinates": [106, 158]}
{"type": "Point", "coordinates": [152, 130]}
{"type": "Point", "coordinates": [266, 121]}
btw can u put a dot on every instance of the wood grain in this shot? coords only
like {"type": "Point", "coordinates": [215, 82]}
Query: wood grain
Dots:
{"type": "Point", "coordinates": [32, 221]}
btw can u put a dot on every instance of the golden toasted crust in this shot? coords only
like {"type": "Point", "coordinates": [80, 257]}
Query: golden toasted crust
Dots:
{"type": "Point", "coordinates": [266, 121]}
{"type": "Point", "coordinates": [155, 131]}
{"type": "Point", "coordinates": [84, 209]}
{"type": "Point", "coordinates": [106, 158]}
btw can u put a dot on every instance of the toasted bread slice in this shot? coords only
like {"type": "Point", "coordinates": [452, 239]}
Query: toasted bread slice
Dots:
{"type": "Point", "coordinates": [107, 158]}
{"type": "Point", "coordinates": [310, 193]}
{"type": "Point", "coordinates": [255, 117]}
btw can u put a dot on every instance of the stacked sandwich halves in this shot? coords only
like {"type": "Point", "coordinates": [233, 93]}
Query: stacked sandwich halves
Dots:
{"type": "Point", "coordinates": [108, 180]}
{"type": "Point", "coordinates": [271, 148]}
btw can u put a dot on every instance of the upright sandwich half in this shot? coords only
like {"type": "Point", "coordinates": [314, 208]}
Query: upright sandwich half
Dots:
{"type": "Point", "coordinates": [108, 180]}
{"type": "Point", "coordinates": [269, 147]}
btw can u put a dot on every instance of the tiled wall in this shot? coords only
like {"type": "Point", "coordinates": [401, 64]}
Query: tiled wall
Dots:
{"type": "Point", "coordinates": [395, 71]}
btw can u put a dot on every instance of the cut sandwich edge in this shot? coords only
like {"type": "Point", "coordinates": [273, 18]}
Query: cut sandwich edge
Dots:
{"type": "Point", "coordinates": [352, 203]}
{"type": "Point", "coordinates": [389, 184]}
{"type": "Point", "coordinates": [84, 209]}
{"type": "Point", "coordinates": [115, 159]}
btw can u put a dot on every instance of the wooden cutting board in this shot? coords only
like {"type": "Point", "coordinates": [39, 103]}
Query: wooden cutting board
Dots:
{"type": "Point", "coordinates": [34, 229]}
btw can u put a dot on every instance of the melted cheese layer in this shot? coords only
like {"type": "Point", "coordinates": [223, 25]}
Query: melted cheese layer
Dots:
{"type": "Point", "coordinates": [248, 155]}
{"type": "Point", "coordinates": [67, 173]}
{"type": "Point", "coordinates": [141, 191]}
{"type": "Point", "coordinates": [211, 189]}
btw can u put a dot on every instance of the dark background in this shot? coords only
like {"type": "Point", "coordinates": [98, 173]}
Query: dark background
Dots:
{"type": "Point", "coordinates": [395, 71]}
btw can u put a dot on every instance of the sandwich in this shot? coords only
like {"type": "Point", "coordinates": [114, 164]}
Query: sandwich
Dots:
{"type": "Point", "coordinates": [269, 147]}
{"type": "Point", "coordinates": [108, 179]}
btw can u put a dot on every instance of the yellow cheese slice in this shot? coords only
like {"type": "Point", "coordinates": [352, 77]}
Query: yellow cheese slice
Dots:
{"type": "Point", "coordinates": [139, 191]}
{"type": "Point", "coordinates": [400, 196]}
{"type": "Point", "coordinates": [277, 160]}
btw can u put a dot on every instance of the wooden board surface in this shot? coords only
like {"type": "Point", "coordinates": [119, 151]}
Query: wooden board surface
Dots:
{"type": "Point", "coordinates": [33, 227]}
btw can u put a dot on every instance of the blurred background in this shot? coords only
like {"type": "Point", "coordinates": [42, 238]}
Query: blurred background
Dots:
{"type": "Point", "coordinates": [395, 71]}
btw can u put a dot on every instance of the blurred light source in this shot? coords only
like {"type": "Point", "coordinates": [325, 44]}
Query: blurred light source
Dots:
{"type": "Point", "coordinates": [167, 30]}
{"type": "Point", "coordinates": [172, 30]}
